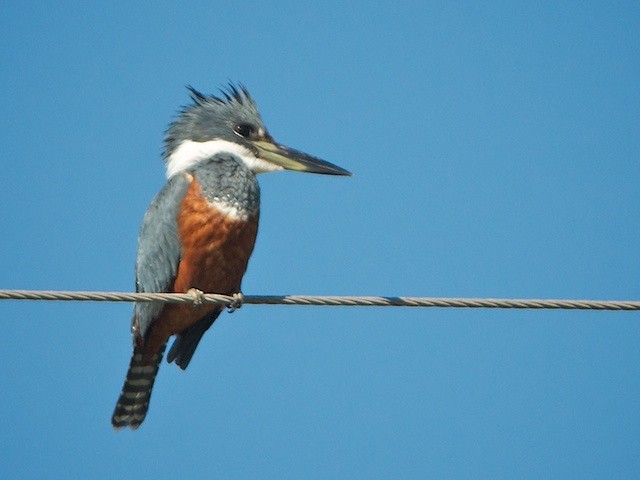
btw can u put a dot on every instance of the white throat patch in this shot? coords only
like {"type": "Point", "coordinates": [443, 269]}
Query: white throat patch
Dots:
{"type": "Point", "coordinates": [190, 153]}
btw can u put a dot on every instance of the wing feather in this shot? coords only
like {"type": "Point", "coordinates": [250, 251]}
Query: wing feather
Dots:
{"type": "Point", "coordinates": [159, 249]}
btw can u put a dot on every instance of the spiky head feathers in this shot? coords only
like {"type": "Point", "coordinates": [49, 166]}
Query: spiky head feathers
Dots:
{"type": "Point", "coordinates": [213, 117]}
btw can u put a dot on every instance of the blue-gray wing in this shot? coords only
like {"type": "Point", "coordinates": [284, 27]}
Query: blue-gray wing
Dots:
{"type": "Point", "coordinates": [159, 250]}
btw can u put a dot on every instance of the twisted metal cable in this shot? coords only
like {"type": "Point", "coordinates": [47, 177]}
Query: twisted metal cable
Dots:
{"type": "Point", "coordinates": [195, 297]}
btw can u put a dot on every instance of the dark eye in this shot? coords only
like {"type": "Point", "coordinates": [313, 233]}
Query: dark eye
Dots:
{"type": "Point", "coordinates": [244, 129]}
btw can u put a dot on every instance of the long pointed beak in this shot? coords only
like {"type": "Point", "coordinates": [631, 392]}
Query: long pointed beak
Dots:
{"type": "Point", "coordinates": [291, 159]}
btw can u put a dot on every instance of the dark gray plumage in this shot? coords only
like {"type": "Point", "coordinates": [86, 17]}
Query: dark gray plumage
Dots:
{"type": "Point", "coordinates": [212, 117]}
{"type": "Point", "coordinates": [159, 249]}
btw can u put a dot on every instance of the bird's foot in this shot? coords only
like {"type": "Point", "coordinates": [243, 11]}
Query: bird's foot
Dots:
{"type": "Point", "coordinates": [236, 303]}
{"type": "Point", "coordinates": [198, 297]}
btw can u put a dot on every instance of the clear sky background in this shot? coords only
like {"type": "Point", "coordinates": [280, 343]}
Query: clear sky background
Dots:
{"type": "Point", "coordinates": [495, 151]}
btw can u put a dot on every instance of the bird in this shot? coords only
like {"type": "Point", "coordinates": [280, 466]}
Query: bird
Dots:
{"type": "Point", "coordinates": [200, 230]}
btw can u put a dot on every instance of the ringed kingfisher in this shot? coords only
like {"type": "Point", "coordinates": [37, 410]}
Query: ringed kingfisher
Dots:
{"type": "Point", "coordinates": [200, 229]}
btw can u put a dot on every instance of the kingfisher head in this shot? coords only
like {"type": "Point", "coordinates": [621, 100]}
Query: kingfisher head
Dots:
{"type": "Point", "coordinates": [231, 123]}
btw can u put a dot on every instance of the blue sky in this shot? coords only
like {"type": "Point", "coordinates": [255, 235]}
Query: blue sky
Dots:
{"type": "Point", "coordinates": [495, 154]}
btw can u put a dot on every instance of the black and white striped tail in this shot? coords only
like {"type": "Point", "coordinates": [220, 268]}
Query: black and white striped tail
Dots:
{"type": "Point", "coordinates": [133, 403]}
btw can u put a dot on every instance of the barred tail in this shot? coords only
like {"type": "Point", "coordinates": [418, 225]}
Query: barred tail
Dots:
{"type": "Point", "coordinates": [133, 403]}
